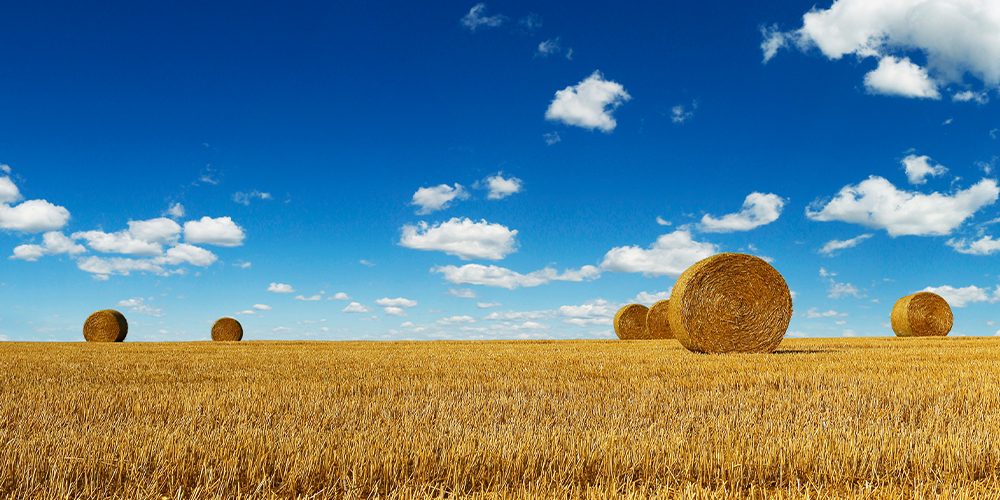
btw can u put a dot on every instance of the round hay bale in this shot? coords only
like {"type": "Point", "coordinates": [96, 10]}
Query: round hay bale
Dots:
{"type": "Point", "coordinates": [922, 314]}
{"type": "Point", "coordinates": [657, 321]}
{"type": "Point", "coordinates": [227, 330]}
{"type": "Point", "coordinates": [730, 302]}
{"type": "Point", "coordinates": [630, 322]}
{"type": "Point", "coordinates": [105, 326]}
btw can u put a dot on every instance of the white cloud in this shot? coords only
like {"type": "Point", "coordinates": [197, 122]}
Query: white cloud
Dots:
{"type": "Point", "coordinates": [838, 290]}
{"type": "Point", "coordinates": [262, 307]}
{"type": "Point", "coordinates": [955, 36]}
{"type": "Point", "coordinates": [247, 197]}
{"type": "Point", "coordinates": [117, 265]}
{"type": "Point", "coordinates": [397, 302]}
{"type": "Point", "coordinates": [303, 297]}
{"type": "Point", "coordinates": [122, 242]}
{"type": "Point", "coordinates": [774, 40]}
{"type": "Point", "coordinates": [551, 138]}
{"type": "Point", "coordinates": [968, 95]}
{"type": "Point", "coordinates": [758, 209]}
{"type": "Point", "coordinates": [100, 277]}
{"type": "Point", "coordinates": [477, 274]}
{"type": "Point", "coordinates": [53, 243]}
{"type": "Point", "coordinates": [961, 297]}
{"type": "Point", "coordinates": [984, 246]}
{"type": "Point", "coordinates": [487, 305]}
{"type": "Point", "coordinates": [176, 211]}
{"type": "Point", "coordinates": [834, 245]}
{"type": "Point", "coordinates": [475, 19]}
{"type": "Point", "coordinates": [919, 167]}
{"type": "Point", "coordinates": [33, 216]}
{"type": "Point", "coordinates": [501, 188]}
{"type": "Point", "coordinates": [191, 254]}
{"type": "Point", "coordinates": [438, 197]}
{"type": "Point", "coordinates": [900, 77]}
{"type": "Point", "coordinates": [592, 313]}
{"type": "Point", "coordinates": [340, 296]}
{"type": "Point", "coordinates": [519, 315]}
{"type": "Point", "coordinates": [652, 298]}
{"type": "Point", "coordinates": [280, 288]}
{"type": "Point", "coordinates": [457, 320]}
{"type": "Point", "coordinates": [221, 231]}
{"type": "Point", "coordinates": [364, 262]}
{"type": "Point", "coordinates": [548, 47]}
{"type": "Point", "coordinates": [281, 329]}
{"type": "Point", "coordinates": [8, 191]}
{"type": "Point", "coordinates": [465, 293]}
{"type": "Point", "coordinates": [813, 313]}
{"type": "Point", "coordinates": [670, 255]}
{"type": "Point", "coordinates": [138, 306]}
{"type": "Point", "coordinates": [588, 104]}
{"type": "Point", "coordinates": [356, 307]}
{"type": "Point", "coordinates": [660, 221]}
{"type": "Point", "coordinates": [824, 273]}
{"type": "Point", "coordinates": [245, 312]}
{"type": "Point", "coordinates": [4, 168]}
{"type": "Point", "coordinates": [461, 237]}
{"type": "Point", "coordinates": [679, 115]}
{"type": "Point", "coordinates": [877, 204]}
{"type": "Point", "coordinates": [395, 311]}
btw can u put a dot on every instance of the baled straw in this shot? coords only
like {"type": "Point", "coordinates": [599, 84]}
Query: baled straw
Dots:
{"type": "Point", "coordinates": [730, 302]}
{"type": "Point", "coordinates": [658, 322]}
{"type": "Point", "coordinates": [630, 322]}
{"type": "Point", "coordinates": [105, 326]}
{"type": "Point", "coordinates": [922, 314]}
{"type": "Point", "coordinates": [227, 329]}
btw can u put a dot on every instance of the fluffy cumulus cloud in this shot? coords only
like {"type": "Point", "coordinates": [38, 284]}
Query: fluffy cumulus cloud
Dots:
{"type": "Point", "coordinates": [476, 18]}
{"type": "Point", "coordinates": [652, 298]}
{"type": "Point", "coordinates": [670, 255]}
{"type": "Point", "coordinates": [221, 231]}
{"type": "Point", "coordinates": [813, 313]}
{"type": "Point", "coordinates": [961, 297]}
{"type": "Point", "coordinates": [32, 216]}
{"type": "Point", "coordinates": [437, 198]}
{"type": "Point", "coordinates": [53, 243]}
{"type": "Point", "coordinates": [833, 246]}
{"type": "Point", "coordinates": [176, 211]}
{"type": "Point", "coordinates": [138, 305]}
{"type": "Point", "coordinates": [477, 274]}
{"type": "Point", "coordinates": [758, 209]}
{"type": "Point", "coordinates": [122, 242]}
{"type": "Point", "coordinates": [340, 296]}
{"type": "Point", "coordinates": [588, 104]}
{"type": "Point", "coordinates": [877, 204]}
{"type": "Point", "coordinates": [280, 288]}
{"type": "Point", "coordinates": [262, 307]}
{"type": "Point", "coordinates": [397, 302]}
{"type": "Point", "coordinates": [955, 37]}
{"type": "Point", "coordinates": [919, 167]}
{"type": "Point", "coordinates": [597, 312]}
{"type": "Point", "coordinates": [190, 254]}
{"type": "Point", "coordinates": [462, 238]}
{"type": "Point", "coordinates": [900, 77]}
{"type": "Point", "coordinates": [356, 307]}
{"type": "Point", "coordinates": [465, 293]}
{"type": "Point", "coordinates": [983, 246]}
{"type": "Point", "coordinates": [117, 265]}
{"type": "Point", "coordinates": [501, 187]}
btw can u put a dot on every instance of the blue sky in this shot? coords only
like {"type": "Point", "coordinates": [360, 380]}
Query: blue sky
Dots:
{"type": "Point", "coordinates": [498, 170]}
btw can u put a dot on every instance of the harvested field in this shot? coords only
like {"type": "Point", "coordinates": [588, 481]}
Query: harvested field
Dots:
{"type": "Point", "coordinates": [819, 418]}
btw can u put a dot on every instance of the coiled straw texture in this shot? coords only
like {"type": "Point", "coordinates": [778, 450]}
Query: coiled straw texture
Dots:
{"type": "Point", "coordinates": [730, 302]}
{"type": "Point", "coordinates": [630, 322]}
{"type": "Point", "coordinates": [105, 326]}
{"type": "Point", "coordinates": [922, 314]}
{"type": "Point", "coordinates": [227, 330]}
{"type": "Point", "coordinates": [658, 322]}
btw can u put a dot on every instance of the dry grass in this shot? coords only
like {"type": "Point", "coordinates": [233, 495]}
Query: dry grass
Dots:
{"type": "Point", "coordinates": [863, 418]}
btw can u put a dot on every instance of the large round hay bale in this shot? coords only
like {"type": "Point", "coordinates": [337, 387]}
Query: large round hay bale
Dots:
{"type": "Point", "coordinates": [658, 321]}
{"type": "Point", "coordinates": [922, 314]}
{"type": "Point", "coordinates": [730, 302]}
{"type": "Point", "coordinates": [227, 329]}
{"type": "Point", "coordinates": [630, 322]}
{"type": "Point", "coordinates": [105, 326]}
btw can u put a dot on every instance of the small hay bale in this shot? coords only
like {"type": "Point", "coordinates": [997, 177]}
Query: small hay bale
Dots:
{"type": "Point", "coordinates": [630, 322]}
{"type": "Point", "coordinates": [730, 302]}
{"type": "Point", "coordinates": [657, 321]}
{"type": "Point", "coordinates": [922, 314]}
{"type": "Point", "coordinates": [227, 330]}
{"type": "Point", "coordinates": [105, 326]}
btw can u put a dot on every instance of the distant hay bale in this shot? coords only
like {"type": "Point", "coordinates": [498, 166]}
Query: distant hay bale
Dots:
{"type": "Point", "coordinates": [922, 314]}
{"type": "Point", "coordinates": [730, 302]}
{"type": "Point", "coordinates": [630, 322]}
{"type": "Point", "coordinates": [658, 322]}
{"type": "Point", "coordinates": [105, 326]}
{"type": "Point", "coordinates": [227, 329]}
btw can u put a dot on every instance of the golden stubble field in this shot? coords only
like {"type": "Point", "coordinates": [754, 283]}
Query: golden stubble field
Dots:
{"type": "Point", "coordinates": [821, 418]}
